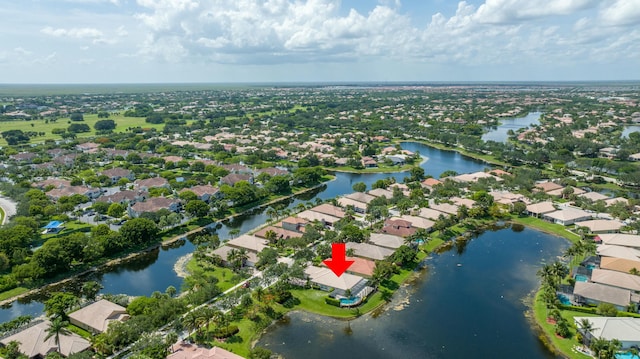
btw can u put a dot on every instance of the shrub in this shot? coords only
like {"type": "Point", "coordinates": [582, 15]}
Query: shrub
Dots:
{"type": "Point", "coordinates": [222, 333]}
{"type": "Point", "coordinates": [332, 301]}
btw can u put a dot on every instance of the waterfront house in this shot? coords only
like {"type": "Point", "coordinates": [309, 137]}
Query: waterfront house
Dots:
{"type": "Point", "coordinates": [34, 345]}
{"type": "Point", "coordinates": [326, 280]}
{"type": "Point", "coordinates": [596, 293]}
{"type": "Point", "coordinates": [429, 183]}
{"type": "Point", "coordinates": [281, 233]}
{"type": "Point", "coordinates": [606, 250]}
{"type": "Point", "coordinates": [370, 251]}
{"type": "Point", "coordinates": [594, 196]}
{"type": "Point", "coordinates": [358, 207]}
{"type": "Point", "coordinates": [361, 266]}
{"type": "Point", "coordinates": [381, 192]}
{"type": "Point", "coordinates": [295, 224]}
{"type": "Point", "coordinates": [598, 226]}
{"type": "Point", "coordinates": [626, 330]}
{"type": "Point", "coordinates": [96, 316]}
{"type": "Point", "coordinates": [444, 207]}
{"type": "Point", "coordinates": [616, 279]}
{"type": "Point", "coordinates": [567, 216]}
{"type": "Point", "coordinates": [329, 209]}
{"type": "Point", "coordinates": [223, 253]}
{"type": "Point", "coordinates": [184, 350]}
{"type": "Point", "coordinates": [619, 239]}
{"type": "Point", "coordinates": [312, 216]}
{"type": "Point", "coordinates": [619, 264]}
{"type": "Point", "coordinates": [547, 187]}
{"type": "Point", "coordinates": [361, 197]}
{"type": "Point", "coordinates": [430, 213]}
{"type": "Point", "coordinates": [417, 222]}
{"type": "Point", "coordinates": [386, 240]}
{"type": "Point", "coordinates": [540, 209]}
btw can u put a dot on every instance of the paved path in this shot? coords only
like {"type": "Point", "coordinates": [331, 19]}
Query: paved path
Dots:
{"type": "Point", "coordinates": [9, 208]}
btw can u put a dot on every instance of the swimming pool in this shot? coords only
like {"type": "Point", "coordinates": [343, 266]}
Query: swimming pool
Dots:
{"type": "Point", "coordinates": [626, 356]}
{"type": "Point", "coordinates": [349, 301]}
{"type": "Point", "coordinates": [591, 266]}
{"type": "Point", "coordinates": [564, 299]}
{"type": "Point", "coordinates": [581, 278]}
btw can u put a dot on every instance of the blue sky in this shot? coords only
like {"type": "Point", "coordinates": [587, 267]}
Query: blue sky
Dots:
{"type": "Point", "coordinates": [120, 41]}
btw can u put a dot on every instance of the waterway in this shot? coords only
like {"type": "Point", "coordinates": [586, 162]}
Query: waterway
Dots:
{"type": "Point", "coordinates": [154, 271]}
{"type": "Point", "coordinates": [469, 303]}
{"type": "Point", "coordinates": [500, 133]}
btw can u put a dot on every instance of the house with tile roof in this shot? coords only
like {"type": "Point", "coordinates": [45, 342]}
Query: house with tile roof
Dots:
{"type": "Point", "coordinates": [34, 345]}
{"type": "Point", "coordinates": [96, 316]}
{"type": "Point", "coordinates": [182, 350]}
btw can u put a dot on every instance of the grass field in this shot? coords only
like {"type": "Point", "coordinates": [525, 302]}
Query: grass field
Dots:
{"type": "Point", "coordinates": [547, 227]}
{"type": "Point", "coordinates": [123, 124]}
{"type": "Point", "coordinates": [13, 292]}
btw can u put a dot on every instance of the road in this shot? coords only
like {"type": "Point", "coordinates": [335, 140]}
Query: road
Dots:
{"type": "Point", "coordinates": [8, 207]}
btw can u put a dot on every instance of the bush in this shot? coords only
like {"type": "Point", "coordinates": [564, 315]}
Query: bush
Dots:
{"type": "Point", "coordinates": [222, 333]}
{"type": "Point", "coordinates": [332, 301]}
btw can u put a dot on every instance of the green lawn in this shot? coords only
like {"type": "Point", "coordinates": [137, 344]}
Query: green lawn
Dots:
{"type": "Point", "coordinates": [13, 292]}
{"type": "Point", "coordinates": [224, 275]}
{"type": "Point", "coordinates": [380, 169]}
{"type": "Point", "coordinates": [564, 345]}
{"type": "Point", "coordinates": [547, 227]}
{"type": "Point", "coordinates": [240, 343]}
{"type": "Point", "coordinates": [122, 125]}
{"type": "Point", "coordinates": [432, 244]}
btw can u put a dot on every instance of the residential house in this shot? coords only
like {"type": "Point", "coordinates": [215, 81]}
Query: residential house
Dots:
{"type": "Point", "coordinates": [96, 316]}
{"type": "Point", "coordinates": [381, 192]}
{"type": "Point", "coordinates": [233, 178]}
{"type": "Point", "coordinates": [295, 224]}
{"type": "Point", "coordinates": [595, 293]}
{"type": "Point", "coordinates": [399, 227]}
{"type": "Point", "coordinates": [125, 197]}
{"type": "Point", "coordinates": [358, 207]}
{"type": "Point", "coordinates": [560, 192]}
{"type": "Point", "coordinates": [115, 174]}
{"type": "Point", "coordinates": [540, 209]}
{"type": "Point", "coordinates": [430, 213]}
{"type": "Point", "coordinates": [205, 193]}
{"type": "Point", "coordinates": [88, 147]}
{"type": "Point", "coordinates": [508, 198]}
{"type": "Point", "coordinates": [547, 187]}
{"type": "Point", "coordinates": [386, 240]}
{"type": "Point", "coordinates": [281, 233]}
{"type": "Point", "coordinates": [361, 197]}
{"type": "Point", "coordinates": [369, 251]}
{"type": "Point", "coordinates": [446, 208]}
{"type": "Point", "coordinates": [55, 182]}
{"type": "Point", "coordinates": [605, 250]}
{"type": "Point", "coordinates": [462, 202]}
{"type": "Point", "coordinates": [361, 267]}
{"type": "Point", "coordinates": [369, 162]}
{"type": "Point", "coordinates": [182, 350]}
{"type": "Point", "coordinates": [252, 244]}
{"type": "Point", "coordinates": [619, 239]}
{"type": "Point", "coordinates": [154, 204]}
{"type": "Point", "coordinates": [34, 345]}
{"type": "Point", "coordinates": [417, 222]}
{"type": "Point", "coordinates": [619, 264]}
{"type": "Point", "coordinates": [429, 183]}
{"type": "Point", "coordinates": [224, 250]}
{"type": "Point", "coordinates": [598, 226]}
{"type": "Point", "coordinates": [594, 196]}
{"type": "Point", "coordinates": [568, 216]}
{"type": "Point", "coordinates": [612, 201]}
{"type": "Point", "coordinates": [56, 193]}
{"type": "Point", "coordinates": [312, 216]}
{"type": "Point", "coordinates": [272, 171]}
{"type": "Point", "coordinates": [474, 177]}
{"type": "Point", "coordinates": [616, 279]}
{"type": "Point", "coordinates": [326, 280]}
{"type": "Point", "coordinates": [329, 209]}
{"type": "Point", "coordinates": [153, 182]}
{"type": "Point", "coordinates": [626, 330]}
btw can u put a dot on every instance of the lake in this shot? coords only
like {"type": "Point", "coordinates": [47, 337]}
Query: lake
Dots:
{"type": "Point", "coordinates": [628, 129]}
{"type": "Point", "coordinates": [469, 303]}
{"type": "Point", "coordinates": [500, 133]}
{"type": "Point", "coordinates": [154, 271]}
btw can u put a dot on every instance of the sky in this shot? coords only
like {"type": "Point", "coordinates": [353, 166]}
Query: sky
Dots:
{"type": "Point", "coordinates": [225, 41]}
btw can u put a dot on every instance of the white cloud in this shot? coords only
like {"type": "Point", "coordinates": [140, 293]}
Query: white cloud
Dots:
{"type": "Point", "coordinates": [509, 11]}
{"type": "Point", "coordinates": [622, 12]}
{"type": "Point", "coordinates": [79, 33]}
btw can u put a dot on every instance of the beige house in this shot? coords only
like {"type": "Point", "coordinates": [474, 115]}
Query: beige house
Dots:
{"type": "Point", "coordinates": [183, 350]}
{"type": "Point", "coordinates": [386, 240]}
{"type": "Point", "coordinates": [34, 345]}
{"type": "Point", "coordinates": [616, 279]}
{"type": "Point", "coordinates": [369, 251]}
{"type": "Point", "coordinates": [568, 216]}
{"type": "Point", "coordinates": [626, 330]}
{"type": "Point", "coordinates": [326, 280]}
{"type": "Point", "coordinates": [619, 264]}
{"type": "Point", "coordinates": [541, 208]}
{"type": "Point", "coordinates": [620, 239]}
{"type": "Point", "coordinates": [96, 317]}
{"type": "Point", "coordinates": [601, 225]}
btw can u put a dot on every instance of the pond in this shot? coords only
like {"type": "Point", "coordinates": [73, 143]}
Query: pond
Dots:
{"type": "Point", "coordinates": [628, 129]}
{"type": "Point", "coordinates": [501, 132]}
{"type": "Point", "coordinates": [468, 304]}
{"type": "Point", "coordinates": [154, 271]}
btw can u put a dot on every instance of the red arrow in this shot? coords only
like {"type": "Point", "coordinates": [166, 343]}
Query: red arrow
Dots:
{"type": "Point", "coordinates": [338, 262]}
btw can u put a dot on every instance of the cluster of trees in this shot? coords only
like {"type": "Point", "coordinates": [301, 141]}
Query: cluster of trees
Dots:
{"type": "Point", "coordinates": [15, 137]}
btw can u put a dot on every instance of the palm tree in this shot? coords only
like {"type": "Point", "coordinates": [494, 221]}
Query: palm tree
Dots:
{"type": "Point", "coordinates": [101, 345]}
{"type": "Point", "coordinates": [57, 327]}
{"type": "Point", "coordinates": [587, 328]}
{"type": "Point", "coordinates": [272, 213]}
{"type": "Point", "coordinates": [271, 237]}
{"type": "Point", "coordinates": [234, 232]}
{"type": "Point", "coordinates": [237, 257]}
